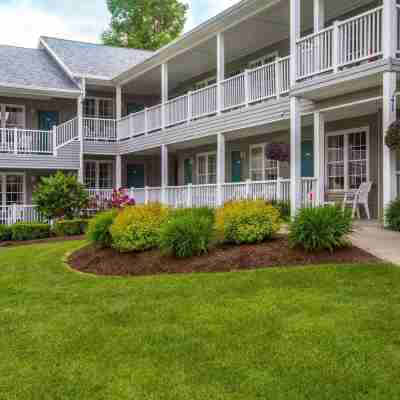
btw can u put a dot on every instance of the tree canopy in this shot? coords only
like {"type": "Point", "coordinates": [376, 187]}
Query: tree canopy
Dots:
{"type": "Point", "coordinates": [144, 24]}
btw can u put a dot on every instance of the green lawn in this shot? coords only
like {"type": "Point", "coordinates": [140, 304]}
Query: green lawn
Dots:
{"type": "Point", "coordinates": [306, 333]}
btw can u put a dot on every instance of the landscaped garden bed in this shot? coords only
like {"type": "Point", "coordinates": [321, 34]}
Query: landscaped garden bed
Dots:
{"type": "Point", "coordinates": [275, 253]}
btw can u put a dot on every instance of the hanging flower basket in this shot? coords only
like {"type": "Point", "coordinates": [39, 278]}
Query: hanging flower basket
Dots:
{"type": "Point", "coordinates": [392, 138]}
{"type": "Point", "coordinates": [278, 152]}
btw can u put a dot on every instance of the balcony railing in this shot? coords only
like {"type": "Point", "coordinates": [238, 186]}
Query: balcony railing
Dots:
{"type": "Point", "coordinates": [207, 195]}
{"type": "Point", "coordinates": [252, 86]}
{"type": "Point", "coordinates": [100, 129]}
{"type": "Point", "coordinates": [25, 141]}
{"type": "Point", "coordinates": [345, 43]}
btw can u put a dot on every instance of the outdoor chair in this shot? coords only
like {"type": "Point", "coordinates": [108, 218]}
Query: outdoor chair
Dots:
{"type": "Point", "coordinates": [358, 198]}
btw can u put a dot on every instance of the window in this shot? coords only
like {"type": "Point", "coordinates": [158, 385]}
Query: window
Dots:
{"type": "Point", "coordinates": [188, 171]}
{"type": "Point", "coordinates": [269, 58]}
{"type": "Point", "coordinates": [98, 107]}
{"type": "Point", "coordinates": [347, 159]}
{"type": "Point", "coordinates": [207, 168]}
{"type": "Point", "coordinates": [261, 168]}
{"type": "Point", "coordinates": [12, 189]}
{"type": "Point", "coordinates": [12, 116]}
{"type": "Point", "coordinates": [99, 174]}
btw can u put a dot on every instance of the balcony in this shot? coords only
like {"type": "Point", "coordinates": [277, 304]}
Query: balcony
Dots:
{"type": "Point", "coordinates": [253, 86]}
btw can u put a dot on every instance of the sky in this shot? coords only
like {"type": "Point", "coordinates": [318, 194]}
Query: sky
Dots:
{"type": "Point", "coordinates": [23, 21]}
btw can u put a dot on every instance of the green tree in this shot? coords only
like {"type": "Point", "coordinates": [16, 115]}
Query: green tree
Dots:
{"type": "Point", "coordinates": [144, 24]}
{"type": "Point", "coordinates": [60, 196]}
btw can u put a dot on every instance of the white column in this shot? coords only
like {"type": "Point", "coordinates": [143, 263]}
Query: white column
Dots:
{"type": "Point", "coordinates": [319, 15]}
{"type": "Point", "coordinates": [389, 27]}
{"type": "Point", "coordinates": [295, 24]}
{"type": "Point", "coordinates": [118, 102]}
{"type": "Point", "coordinates": [295, 155]}
{"type": "Point", "coordinates": [388, 157]}
{"type": "Point", "coordinates": [118, 171]}
{"type": "Point", "coordinates": [220, 69]}
{"type": "Point", "coordinates": [164, 92]}
{"type": "Point", "coordinates": [319, 156]}
{"type": "Point", "coordinates": [164, 172]}
{"type": "Point", "coordinates": [220, 168]}
{"type": "Point", "coordinates": [81, 139]}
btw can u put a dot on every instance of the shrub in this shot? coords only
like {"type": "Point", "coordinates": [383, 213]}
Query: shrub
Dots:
{"type": "Point", "coordinates": [99, 228]}
{"type": "Point", "coordinates": [392, 215]}
{"type": "Point", "coordinates": [24, 231]}
{"type": "Point", "coordinates": [138, 228]}
{"type": "Point", "coordinates": [283, 207]}
{"type": "Point", "coordinates": [320, 228]}
{"type": "Point", "coordinates": [5, 233]}
{"type": "Point", "coordinates": [70, 227]}
{"type": "Point", "coordinates": [187, 232]}
{"type": "Point", "coordinates": [247, 222]}
{"type": "Point", "coordinates": [59, 196]}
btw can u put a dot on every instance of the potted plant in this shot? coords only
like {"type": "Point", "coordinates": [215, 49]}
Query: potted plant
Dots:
{"type": "Point", "coordinates": [392, 138]}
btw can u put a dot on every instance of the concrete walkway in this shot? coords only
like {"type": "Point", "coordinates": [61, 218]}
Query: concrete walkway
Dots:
{"type": "Point", "coordinates": [382, 243]}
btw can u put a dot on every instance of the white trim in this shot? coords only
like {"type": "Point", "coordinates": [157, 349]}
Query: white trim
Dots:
{"type": "Point", "coordinates": [345, 133]}
{"type": "Point", "coordinates": [49, 92]}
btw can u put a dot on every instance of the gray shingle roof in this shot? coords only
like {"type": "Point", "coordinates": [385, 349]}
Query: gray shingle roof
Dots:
{"type": "Point", "coordinates": [22, 67]}
{"type": "Point", "coordinates": [89, 59]}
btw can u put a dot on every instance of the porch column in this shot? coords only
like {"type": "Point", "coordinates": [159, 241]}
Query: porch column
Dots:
{"type": "Point", "coordinates": [220, 168]}
{"type": "Point", "coordinates": [295, 24]}
{"type": "Point", "coordinates": [319, 156]}
{"type": "Point", "coordinates": [164, 92]}
{"type": "Point", "coordinates": [295, 155]}
{"type": "Point", "coordinates": [118, 171]}
{"type": "Point", "coordinates": [164, 173]}
{"type": "Point", "coordinates": [389, 28]}
{"type": "Point", "coordinates": [319, 15]}
{"type": "Point", "coordinates": [81, 138]}
{"type": "Point", "coordinates": [220, 69]}
{"type": "Point", "coordinates": [388, 156]}
{"type": "Point", "coordinates": [118, 103]}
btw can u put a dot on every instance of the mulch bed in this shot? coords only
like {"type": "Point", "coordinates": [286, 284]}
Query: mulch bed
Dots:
{"type": "Point", "coordinates": [276, 253]}
{"type": "Point", "coordinates": [12, 243]}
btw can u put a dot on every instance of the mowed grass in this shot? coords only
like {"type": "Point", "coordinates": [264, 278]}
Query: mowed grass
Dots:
{"type": "Point", "coordinates": [305, 333]}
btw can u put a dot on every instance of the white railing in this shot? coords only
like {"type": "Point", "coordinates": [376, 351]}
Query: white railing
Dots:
{"type": "Point", "coordinates": [101, 195]}
{"type": "Point", "coordinates": [360, 37]}
{"type": "Point", "coordinates": [207, 195]}
{"type": "Point", "coordinates": [154, 118]}
{"type": "Point", "coordinates": [315, 53]}
{"type": "Point", "coordinates": [176, 110]}
{"type": "Point", "coordinates": [99, 129]}
{"type": "Point", "coordinates": [203, 102]}
{"type": "Point", "coordinates": [233, 92]}
{"type": "Point", "coordinates": [25, 141]}
{"type": "Point", "coordinates": [19, 213]}
{"type": "Point", "coordinates": [66, 132]}
{"type": "Point", "coordinates": [347, 42]}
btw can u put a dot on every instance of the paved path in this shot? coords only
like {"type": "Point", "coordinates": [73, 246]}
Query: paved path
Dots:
{"type": "Point", "coordinates": [382, 243]}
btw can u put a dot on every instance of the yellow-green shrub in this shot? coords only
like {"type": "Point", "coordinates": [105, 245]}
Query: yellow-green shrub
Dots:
{"type": "Point", "coordinates": [247, 222]}
{"type": "Point", "coordinates": [137, 228]}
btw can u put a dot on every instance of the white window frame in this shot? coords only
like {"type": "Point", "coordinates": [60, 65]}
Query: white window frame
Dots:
{"type": "Point", "coordinates": [264, 159]}
{"type": "Point", "coordinates": [207, 174]}
{"type": "Point", "coordinates": [3, 107]}
{"type": "Point", "coordinates": [3, 183]}
{"type": "Point", "coordinates": [345, 133]}
{"type": "Point", "coordinates": [254, 63]}
{"type": "Point", "coordinates": [97, 107]}
{"type": "Point", "coordinates": [97, 171]}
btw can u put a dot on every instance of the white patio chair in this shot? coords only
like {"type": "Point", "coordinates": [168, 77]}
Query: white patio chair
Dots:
{"type": "Point", "coordinates": [358, 198]}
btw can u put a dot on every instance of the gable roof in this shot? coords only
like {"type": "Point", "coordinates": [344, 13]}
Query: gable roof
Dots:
{"type": "Point", "coordinates": [93, 60]}
{"type": "Point", "coordinates": [32, 69]}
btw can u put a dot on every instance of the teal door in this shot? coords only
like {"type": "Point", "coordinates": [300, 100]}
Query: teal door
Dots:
{"type": "Point", "coordinates": [47, 119]}
{"type": "Point", "coordinates": [135, 175]}
{"type": "Point", "coordinates": [307, 160]}
{"type": "Point", "coordinates": [188, 171]}
{"type": "Point", "coordinates": [236, 167]}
